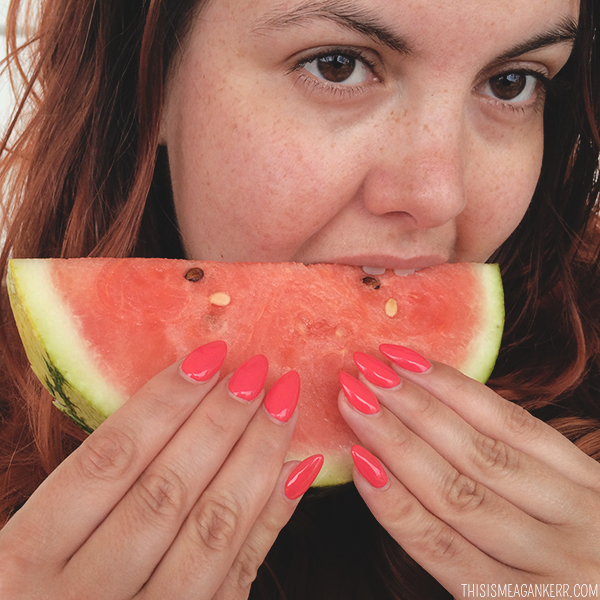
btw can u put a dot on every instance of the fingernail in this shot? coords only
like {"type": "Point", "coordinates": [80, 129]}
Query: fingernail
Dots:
{"type": "Point", "coordinates": [375, 371]}
{"type": "Point", "coordinates": [358, 394]}
{"type": "Point", "coordinates": [249, 379]}
{"type": "Point", "coordinates": [405, 358]}
{"type": "Point", "coordinates": [369, 467]}
{"type": "Point", "coordinates": [303, 476]}
{"type": "Point", "coordinates": [204, 362]}
{"type": "Point", "coordinates": [283, 396]}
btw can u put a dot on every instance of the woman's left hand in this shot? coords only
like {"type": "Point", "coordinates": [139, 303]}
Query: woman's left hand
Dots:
{"type": "Point", "coordinates": [473, 487]}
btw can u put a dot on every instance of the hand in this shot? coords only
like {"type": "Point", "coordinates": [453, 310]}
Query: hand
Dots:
{"type": "Point", "coordinates": [473, 487]}
{"type": "Point", "coordinates": [179, 494]}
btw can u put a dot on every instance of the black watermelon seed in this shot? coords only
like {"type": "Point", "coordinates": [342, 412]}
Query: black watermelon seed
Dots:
{"type": "Point", "coordinates": [195, 274]}
{"type": "Point", "coordinates": [372, 282]}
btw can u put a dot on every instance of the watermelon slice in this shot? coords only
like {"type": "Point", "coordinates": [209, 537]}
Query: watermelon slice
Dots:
{"type": "Point", "coordinates": [95, 330]}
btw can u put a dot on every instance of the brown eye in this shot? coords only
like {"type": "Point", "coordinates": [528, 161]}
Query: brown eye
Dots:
{"type": "Point", "coordinates": [512, 87]}
{"type": "Point", "coordinates": [508, 86]}
{"type": "Point", "coordinates": [338, 68]}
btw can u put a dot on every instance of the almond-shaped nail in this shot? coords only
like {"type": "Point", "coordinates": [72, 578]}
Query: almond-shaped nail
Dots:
{"type": "Point", "coordinates": [204, 362]}
{"type": "Point", "coordinates": [369, 467]}
{"type": "Point", "coordinates": [282, 398]}
{"type": "Point", "coordinates": [303, 476]}
{"type": "Point", "coordinates": [358, 394]}
{"type": "Point", "coordinates": [406, 358]}
{"type": "Point", "coordinates": [375, 371]}
{"type": "Point", "coordinates": [249, 379]}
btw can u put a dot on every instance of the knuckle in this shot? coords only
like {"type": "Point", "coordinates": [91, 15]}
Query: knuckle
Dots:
{"type": "Point", "coordinates": [107, 455]}
{"type": "Point", "coordinates": [161, 494]}
{"type": "Point", "coordinates": [521, 423]}
{"type": "Point", "coordinates": [272, 525]}
{"type": "Point", "coordinates": [216, 521]}
{"type": "Point", "coordinates": [406, 510]}
{"type": "Point", "coordinates": [402, 441]}
{"type": "Point", "coordinates": [428, 405]}
{"type": "Point", "coordinates": [245, 567]}
{"type": "Point", "coordinates": [440, 543]}
{"type": "Point", "coordinates": [158, 403]}
{"type": "Point", "coordinates": [218, 424]}
{"type": "Point", "coordinates": [462, 493]}
{"type": "Point", "coordinates": [494, 455]}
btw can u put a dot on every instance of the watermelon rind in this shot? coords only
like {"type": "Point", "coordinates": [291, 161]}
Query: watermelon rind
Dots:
{"type": "Point", "coordinates": [49, 334]}
{"type": "Point", "coordinates": [67, 365]}
{"type": "Point", "coordinates": [484, 346]}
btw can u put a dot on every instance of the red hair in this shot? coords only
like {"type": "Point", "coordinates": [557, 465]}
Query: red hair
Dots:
{"type": "Point", "coordinates": [82, 174]}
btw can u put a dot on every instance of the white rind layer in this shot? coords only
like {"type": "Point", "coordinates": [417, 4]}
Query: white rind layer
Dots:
{"type": "Point", "coordinates": [484, 347]}
{"type": "Point", "coordinates": [61, 355]}
{"type": "Point", "coordinates": [67, 365]}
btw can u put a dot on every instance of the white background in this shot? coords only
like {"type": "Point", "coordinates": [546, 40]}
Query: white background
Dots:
{"type": "Point", "coordinates": [6, 98]}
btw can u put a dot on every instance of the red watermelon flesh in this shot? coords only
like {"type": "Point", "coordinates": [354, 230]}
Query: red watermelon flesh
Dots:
{"type": "Point", "coordinates": [127, 319]}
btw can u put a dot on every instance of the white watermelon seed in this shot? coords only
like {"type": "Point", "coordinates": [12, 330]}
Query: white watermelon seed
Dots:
{"type": "Point", "coordinates": [220, 299]}
{"type": "Point", "coordinates": [391, 307]}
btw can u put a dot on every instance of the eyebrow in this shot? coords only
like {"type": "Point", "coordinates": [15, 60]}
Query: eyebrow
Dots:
{"type": "Point", "coordinates": [566, 31]}
{"type": "Point", "coordinates": [340, 12]}
{"type": "Point", "coordinates": [345, 14]}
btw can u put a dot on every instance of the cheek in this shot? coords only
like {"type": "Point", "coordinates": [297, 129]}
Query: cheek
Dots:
{"type": "Point", "coordinates": [503, 185]}
{"type": "Point", "coordinates": [263, 183]}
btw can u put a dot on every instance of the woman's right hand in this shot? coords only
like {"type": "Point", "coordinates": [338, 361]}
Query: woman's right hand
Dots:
{"type": "Point", "coordinates": [179, 494]}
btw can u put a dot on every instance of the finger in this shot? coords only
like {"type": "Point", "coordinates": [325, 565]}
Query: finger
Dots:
{"type": "Point", "coordinates": [480, 516]}
{"type": "Point", "coordinates": [205, 548]}
{"type": "Point", "coordinates": [294, 480]}
{"type": "Point", "coordinates": [495, 417]}
{"type": "Point", "coordinates": [523, 480]}
{"type": "Point", "coordinates": [82, 491]}
{"type": "Point", "coordinates": [143, 525]}
{"type": "Point", "coordinates": [431, 542]}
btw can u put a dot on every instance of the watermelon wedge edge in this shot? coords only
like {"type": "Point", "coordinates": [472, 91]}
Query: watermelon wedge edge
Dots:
{"type": "Point", "coordinates": [67, 364]}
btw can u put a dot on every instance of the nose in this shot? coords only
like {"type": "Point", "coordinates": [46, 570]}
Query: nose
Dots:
{"type": "Point", "coordinates": [417, 169]}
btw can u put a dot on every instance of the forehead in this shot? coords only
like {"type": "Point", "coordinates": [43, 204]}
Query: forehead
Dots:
{"type": "Point", "coordinates": [480, 29]}
{"type": "Point", "coordinates": [454, 13]}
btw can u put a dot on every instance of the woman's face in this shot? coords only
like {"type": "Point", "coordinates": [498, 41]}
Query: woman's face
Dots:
{"type": "Point", "coordinates": [385, 133]}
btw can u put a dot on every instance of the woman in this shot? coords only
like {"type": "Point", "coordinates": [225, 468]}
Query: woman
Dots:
{"type": "Point", "coordinates": [383, 134]}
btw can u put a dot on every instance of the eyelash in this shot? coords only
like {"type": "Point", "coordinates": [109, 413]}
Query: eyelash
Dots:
{"type": "Point", "coordinates": [542, 86]}
{"type": "Point", "coordinates": [332, 88]}
{"type": "Point", "coordinates": [339, 90]}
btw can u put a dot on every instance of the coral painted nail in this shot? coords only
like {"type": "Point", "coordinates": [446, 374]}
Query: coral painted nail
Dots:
{"type": "Point", "coordinates": [405, 358]}
{"type": "Point", "coordinates": [369, 467]}
{"type": "Point", "coordinates": [302, 477]}
{"type": "Point", "coordinates": [358, 394]}
{"type": "Point", "coordinates": [249, 379]}
{"type": "Point", "coordinates": [204, 362]}
{"type": "Point", "coordinates": [282, 398]}
{"type": "Point", "coordinates": [375, 371]}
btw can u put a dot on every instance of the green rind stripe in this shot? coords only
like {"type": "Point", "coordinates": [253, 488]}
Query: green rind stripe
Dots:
{"type": "Point", "coordinates": [49, 335]}
{"type": "Point", "coordinates": [83, 394]}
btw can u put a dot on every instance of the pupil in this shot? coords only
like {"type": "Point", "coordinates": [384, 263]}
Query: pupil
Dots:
{"type": "Point", "coordinates": [508, 86]}
{"type": "Point", "coordinates": [336, 68]}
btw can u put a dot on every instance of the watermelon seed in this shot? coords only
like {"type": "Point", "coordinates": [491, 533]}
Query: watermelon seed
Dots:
{"type": "Point", "coordinates": [391, 308]}
{"type": "Point", "coordinates": [372, 282]}
{"type": "Point", "coordinates": [194, 274]}
{"type": "Point", "coordinates": [220, 299]}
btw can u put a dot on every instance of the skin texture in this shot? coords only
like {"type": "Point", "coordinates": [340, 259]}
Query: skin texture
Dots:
{"type": "Point", "coordinates": [411, 163]}
{"type": "Point", "coordinates": [478, 491]}
{"type": "Point", "coordinates": [417, 163]}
